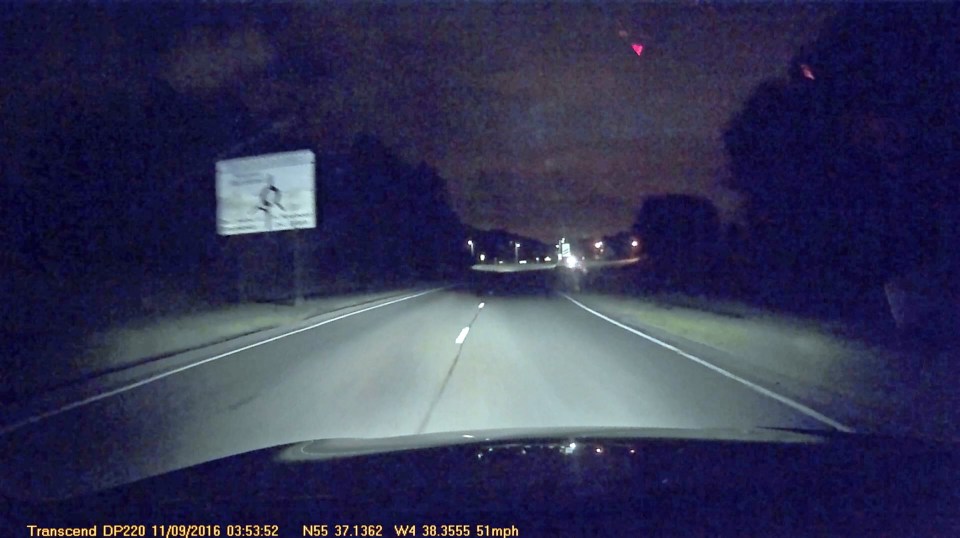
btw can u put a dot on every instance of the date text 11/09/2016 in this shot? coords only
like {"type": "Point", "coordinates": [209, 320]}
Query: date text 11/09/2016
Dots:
{"type": "Point", "coordinates": [444, 530]}
{"type": "Point", "coordinates": [158, 531]}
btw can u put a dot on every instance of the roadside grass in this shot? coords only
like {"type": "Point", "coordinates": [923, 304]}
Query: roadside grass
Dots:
{"type": "Point", "coordinates": [170, 334]}
{"type": "Point", "coordinates": [58, 337]}
{"type": "Point", "coordinates": [892, 385]}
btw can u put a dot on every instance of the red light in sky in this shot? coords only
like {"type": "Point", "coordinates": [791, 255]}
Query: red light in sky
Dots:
{"type": "Point", "coordinates": [637, 47]}
{"type": "Point", "coordinates": [807, 72]}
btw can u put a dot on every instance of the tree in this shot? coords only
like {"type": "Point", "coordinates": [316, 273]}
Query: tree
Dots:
{"type": "Point", "coordinates": [843, 164]}
{"type": "Point", "coordinates": [404, 224]}
{"type": "Point", "coordinates": [680, 235]}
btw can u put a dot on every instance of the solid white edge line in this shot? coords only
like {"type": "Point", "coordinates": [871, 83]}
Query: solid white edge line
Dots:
{"type": "Point", "coordinates": [97, 397]}
{"type": "Point", "coordinates": [463, 335]}
{"type": "Point", "coordinates": [766, 392]}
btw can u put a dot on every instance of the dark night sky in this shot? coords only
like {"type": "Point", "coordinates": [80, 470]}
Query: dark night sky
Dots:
{"type": "Point", "coordinates": [543, 118]}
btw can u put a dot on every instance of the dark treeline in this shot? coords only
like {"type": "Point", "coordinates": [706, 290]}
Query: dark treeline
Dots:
{"type": "Point", "coordinates": [681, 240]}
{"type": "Point", "coordinates": [112, 210]}
{"type": "Point", "coordinates": [848, 169]}
{"type": "Point", "coordinates": [99, 209]}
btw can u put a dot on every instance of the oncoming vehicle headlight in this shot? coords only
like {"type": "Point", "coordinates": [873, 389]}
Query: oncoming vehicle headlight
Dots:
{"type": "Point", "coordinates": [570, 262]}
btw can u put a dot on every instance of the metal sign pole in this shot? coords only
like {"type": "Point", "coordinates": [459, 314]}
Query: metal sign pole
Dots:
{"type": "Point", "coordinates": [297, 268]}
{"type": "Point", "coordinates": [241, 284]}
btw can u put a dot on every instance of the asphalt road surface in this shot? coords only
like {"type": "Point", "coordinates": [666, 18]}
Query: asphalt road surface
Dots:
{"type": "Point", "coordinates": [446, 360]}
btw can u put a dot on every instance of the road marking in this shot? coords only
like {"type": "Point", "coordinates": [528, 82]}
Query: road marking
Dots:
{"type": "Point", "coordinates": [463, 335]}
{"type": "Point", "coordinates": [481, 305]}
{"type": "Point", "coordinates": [97, 397]}
{"type": "Point", "coordinates": [766, 392]}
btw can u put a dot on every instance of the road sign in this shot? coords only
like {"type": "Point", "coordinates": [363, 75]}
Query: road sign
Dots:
{"type": "Point", "coordinates": [266, 193]}
{"type": "Point", "coordinates": [564, 250]}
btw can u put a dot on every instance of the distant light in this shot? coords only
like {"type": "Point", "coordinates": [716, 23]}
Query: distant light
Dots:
{"type": "Point", "coordinates": [467, 436]}
{"type": "Point", "coordinates": [523, 262]}
{"type": "Point", "coordinates": [470, 242]}
{"type": "Point", "coordinates": [501, 261]}
{"type": "Point", "coordinates": [547, 259]}
{"type": "Point", "coordinates": [483, 256]}
{"type": "Point", "coordinates": [634, 243]}
{"type": "Point", "coordinates": [518, 244]}
{"type": "Point", "coordinates": [637, 47]}
{"type": "Point", "coordinates": [807, 71]}
{"type": "Point", "coordinates": [570, 262]}
{"type": "Point", "coordinates": [599, 450]}
{"type": "Point", "coordinates": [598, 244]}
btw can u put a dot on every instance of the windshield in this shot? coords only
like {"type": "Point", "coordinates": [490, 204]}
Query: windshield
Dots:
{"type": "Point", "coordinates": [234, 226]}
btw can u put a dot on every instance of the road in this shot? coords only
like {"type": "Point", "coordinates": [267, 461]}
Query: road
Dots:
{"type": "Point", "coordinates": [447, 360]}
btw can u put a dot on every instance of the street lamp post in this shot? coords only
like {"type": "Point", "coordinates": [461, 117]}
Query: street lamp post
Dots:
{"type": "Point", "coordinates": [470, 242]}
{"type": "Point", "coordinates": [516, 252]}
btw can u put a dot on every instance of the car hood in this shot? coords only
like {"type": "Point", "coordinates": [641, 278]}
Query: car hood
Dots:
{"type": "Point", "coordinates": [655, 474]}
{"type": "Point", "coordinates": [548, 437]}
{"type": "Point", "coordinates": [467, 450]}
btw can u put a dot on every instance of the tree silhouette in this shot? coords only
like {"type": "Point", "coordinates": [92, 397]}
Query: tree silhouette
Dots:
{"type": "Point", "coordinates": [843, 164]}
{"type": "Point", "coordinates": [680, 235]}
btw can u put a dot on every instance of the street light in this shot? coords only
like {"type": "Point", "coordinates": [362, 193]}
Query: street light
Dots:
{"type": "Point", "coordinates": [483, 256]}
{"type": "Point", "coordinates": [598, 244]}
{"type": "Point", "coordinates": [634, 243]}
{"type": "Point", "coordinates": [516, 252]}
{"type": "Point", "coordinates": [470, 242]}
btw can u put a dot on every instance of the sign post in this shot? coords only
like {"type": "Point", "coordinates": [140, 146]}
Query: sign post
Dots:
{"type": "Point", "coordinates": [297, 270]}
{"type": "Point", "coordinates": [269, 193]}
